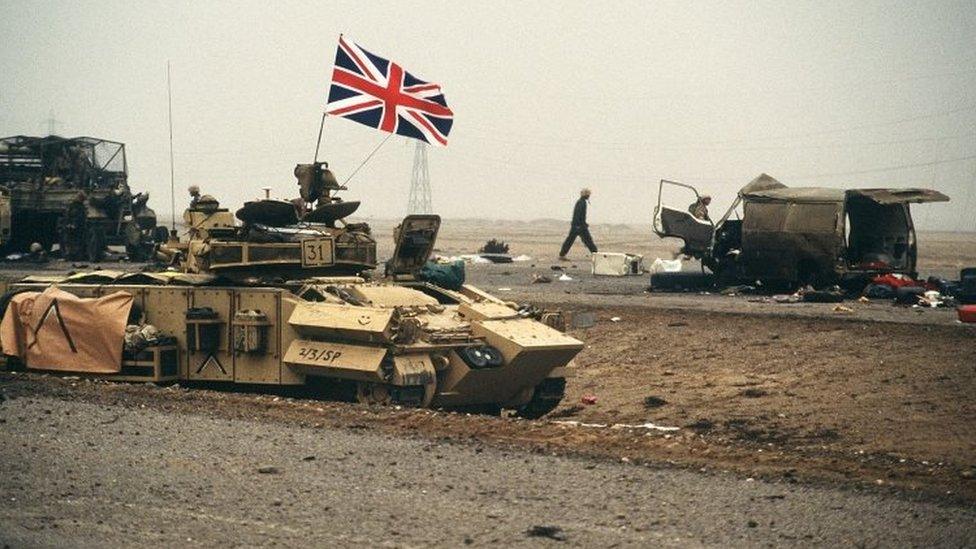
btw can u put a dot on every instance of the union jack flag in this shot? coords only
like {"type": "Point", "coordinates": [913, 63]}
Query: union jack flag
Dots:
{"type": "Point", "coordinates": [379, 93]}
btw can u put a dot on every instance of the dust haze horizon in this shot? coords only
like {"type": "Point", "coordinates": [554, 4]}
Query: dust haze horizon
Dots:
{"type": "Point", "coordinates": [548, 97]}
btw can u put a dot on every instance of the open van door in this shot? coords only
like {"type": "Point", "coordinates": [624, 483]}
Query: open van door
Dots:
{"type": "Point", "coordinates": [678, 222]}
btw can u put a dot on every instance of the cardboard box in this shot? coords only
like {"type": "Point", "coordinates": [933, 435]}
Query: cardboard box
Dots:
{"type": "Point", "coordinates": [617, 264]}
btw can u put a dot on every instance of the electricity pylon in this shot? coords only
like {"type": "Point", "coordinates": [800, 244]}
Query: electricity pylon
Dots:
{"type": "Point", "coordinates": [419, 201]}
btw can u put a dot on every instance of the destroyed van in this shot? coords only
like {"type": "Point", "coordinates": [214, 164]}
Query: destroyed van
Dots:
{"type": "Point", "coordinates": [800, 235]}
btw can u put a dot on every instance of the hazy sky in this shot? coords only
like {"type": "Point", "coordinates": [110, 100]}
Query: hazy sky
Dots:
{"type": "Point", "coordinates": [547, 96]}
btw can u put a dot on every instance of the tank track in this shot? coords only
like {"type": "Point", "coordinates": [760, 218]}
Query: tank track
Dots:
{"type": "Point", "coordinates": [545, 398]}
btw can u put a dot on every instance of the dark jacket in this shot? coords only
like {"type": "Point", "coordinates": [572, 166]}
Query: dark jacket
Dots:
{"type": "Point", "coordinates": [579, 213]}
{"type": "Point", "coordinates": [76, 215]}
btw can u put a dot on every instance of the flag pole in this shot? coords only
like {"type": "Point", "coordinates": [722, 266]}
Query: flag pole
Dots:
{"type": "Point", "coordinates": [319, 142]}
{"type": "Point", "coordinates": [172, 178]}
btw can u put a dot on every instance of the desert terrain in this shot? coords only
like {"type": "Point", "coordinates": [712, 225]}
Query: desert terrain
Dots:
{"type": "Point", "coordinates": [689, 419]}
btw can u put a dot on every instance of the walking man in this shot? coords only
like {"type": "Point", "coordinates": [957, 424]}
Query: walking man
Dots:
{"type": "Point", "coordinates": [579, 227]}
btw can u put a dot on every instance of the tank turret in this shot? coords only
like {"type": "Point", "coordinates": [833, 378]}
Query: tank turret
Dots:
{"type": "Point", "coordinates": [271, 239]}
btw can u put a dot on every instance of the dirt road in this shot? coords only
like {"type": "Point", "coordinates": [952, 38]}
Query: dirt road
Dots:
{"type": "Point", "coordinates": [85, 474]}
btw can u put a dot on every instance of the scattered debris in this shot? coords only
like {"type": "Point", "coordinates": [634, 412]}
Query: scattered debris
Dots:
{"type": "Point", "coordinates": [615, 319]}
{"type": "Point", "coordinates": [738, 289]}
{"type": "Point", "coordinates": [616, 264]}
{"type": "Point", "coordinates": [269, 470]}
{"type": "Point", "coordinates": [582, 319]}
{"type": "Point", "coordinates": [467, 258]}
{"type": "Point", "coordinates": [551, 532]}
{"type": "Point", "coordinates": [573, 423]}
{"type": "Point", "coordinates": [842, 309]}
{"type": "Point", "coordinates": [541, 279]}
{"type": "Point", "coordinates": [588, 399]}
{"type": "Point", "coordinates": [701, 425]}
{"type": "Point", "coordinates": [494, 246]}
{"type": "Point", "coordinates": [497, 258]}
{"type": "Point", "coordinates": [566, 412]}
{"type": "Point", "coordinates": [565, 277]}
{"type": "Point", "coordinates": [831, 295]}
{"type": "Point", "coordinates": [753, 392]}
{"type": "Point", "coordinates": [666, 265]}
{"type": "Point", "coordinates": [649, 426]}
{"type": "Point", "coordinates": [654, 402]}
{"type": "Point", "coordinates": [967, 313]}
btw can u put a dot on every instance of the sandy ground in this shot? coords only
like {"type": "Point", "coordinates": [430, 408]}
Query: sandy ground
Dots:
{"type": "Point", "coordinates": [871, 404]}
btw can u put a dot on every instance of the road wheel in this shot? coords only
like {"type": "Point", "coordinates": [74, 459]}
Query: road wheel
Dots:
{"type": "Point", "coordinates": [96, 244]}
{"type": "Point", "coordinates": [373, 393]}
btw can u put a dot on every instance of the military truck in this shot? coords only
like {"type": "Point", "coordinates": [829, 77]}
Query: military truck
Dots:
{"type": "Point", "coordinates": [41, 176]}
{"type": "Point", "coordinates": [800, 235]}
{"type": "Point", "coordinates": [268, 300]}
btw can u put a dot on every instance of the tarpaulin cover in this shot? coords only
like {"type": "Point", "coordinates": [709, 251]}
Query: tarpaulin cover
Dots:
{"type": "Point", "coordinates": [450, 275]}
{"type": "Point", "coordinates": [55, 330]}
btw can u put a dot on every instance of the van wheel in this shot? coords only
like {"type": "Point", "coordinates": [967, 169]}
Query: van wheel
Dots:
{"type": "Point", "coordinates": [808, 274]}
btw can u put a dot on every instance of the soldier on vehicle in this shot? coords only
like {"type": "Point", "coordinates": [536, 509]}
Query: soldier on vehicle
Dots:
{"type": "Point", "coordinates": [578, 227]}
{"type": "Point", "coordinates": [194, 196]}
{"type": "Point", "coordinates": [699, 208]}
{"type": "Point", "coordinates": [300, 207]}
{"type": "Point", "coordinates": [75, 220]}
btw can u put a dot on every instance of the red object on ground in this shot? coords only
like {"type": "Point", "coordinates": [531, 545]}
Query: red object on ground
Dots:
{"type": "Point", "coordinates": [967, 313]}
{"type": "Point", "coordinates": [894, 281]}
{"type": "Point", "coordinates": [588, 399]}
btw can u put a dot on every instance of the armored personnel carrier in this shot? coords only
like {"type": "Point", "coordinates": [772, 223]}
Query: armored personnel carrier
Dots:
{"type": "Point", "coordinates": [41, 176]}
{"type": "Point", "coordinates": [275, 300]}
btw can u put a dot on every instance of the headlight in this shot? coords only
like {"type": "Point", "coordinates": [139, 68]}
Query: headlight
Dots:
{"type": "Point", "coordinates": [481, 357]}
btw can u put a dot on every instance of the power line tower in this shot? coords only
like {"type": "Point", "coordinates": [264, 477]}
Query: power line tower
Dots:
{"type": "Point", "coordinates": [52, 124]}
{"type": "Point", "coordinates": [419, 201]}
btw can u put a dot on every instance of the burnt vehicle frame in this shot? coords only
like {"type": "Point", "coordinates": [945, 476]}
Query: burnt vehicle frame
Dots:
{"type": "Point", "coordinates": [801, 235]}
{"type": "Point", "coordinates": [40, 177]}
